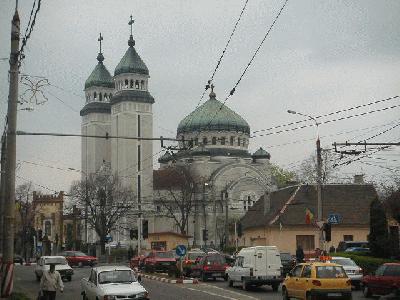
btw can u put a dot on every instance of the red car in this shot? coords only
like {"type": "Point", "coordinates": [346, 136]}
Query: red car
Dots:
{"type": "Point", "coordinates": [385, 281]}
{"type": "Point", "coordinates": [77, 258]}
{"type": "Point", "coordinates": [210, 266]}
{"type": "Point", "coordinates": [137, 261]}
{"type": "Point", "coordinates": [159, 261]}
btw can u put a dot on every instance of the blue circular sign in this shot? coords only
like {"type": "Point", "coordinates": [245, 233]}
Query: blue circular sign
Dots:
{"type": "Point", "coordinates": [180, 250]}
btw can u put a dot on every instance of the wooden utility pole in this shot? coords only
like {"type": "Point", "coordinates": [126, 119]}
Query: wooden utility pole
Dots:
{"type": "Point", "coordinates": [2, 187]}
{"type": "Point", "coordinates": [7, 268]}
{"type": "Point", "coordinates": [319, 192]}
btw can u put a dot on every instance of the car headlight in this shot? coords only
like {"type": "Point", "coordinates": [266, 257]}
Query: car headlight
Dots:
{"type": "Point", "coordinates": [142, 295]}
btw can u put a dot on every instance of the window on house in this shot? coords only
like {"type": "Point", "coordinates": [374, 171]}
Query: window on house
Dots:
{"type": "Point", "coordinates": [232, 140]}
{"type": "Point", "coordinates": [223, 141]}
{"type": "Point", "coordinates": [94, 95]}
{"type": "Point", "coordinates": [238, 141]}
{"type": "Point", "coordinates": [348, 238]}
{"type": "Point", "coordinates": [205, 142]}
{"type": "Point", "coordinates": [214, 140]}
{"type": "Point", "coordinates": [126, 83]}
{"type": "Point", "coordinates": [137, 84]}
{"type": "Point", "coordinates": [131, 86]}
{"type": "Point", "coordinates": [307, 242]}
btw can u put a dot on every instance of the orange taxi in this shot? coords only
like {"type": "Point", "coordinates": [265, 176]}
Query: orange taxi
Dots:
{"type": "Point", "coordinates": [317, 281]}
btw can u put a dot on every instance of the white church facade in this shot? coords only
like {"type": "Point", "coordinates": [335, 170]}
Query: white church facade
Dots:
{"type": "Point", "coordinates": [214, 142]}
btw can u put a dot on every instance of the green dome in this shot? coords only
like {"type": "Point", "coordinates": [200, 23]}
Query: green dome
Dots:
{"type": "Point", "coordinates": [131, 62]}
{"type": "Point", "coordinates": [261, 153]}
{"type": "Point", "coordinates": [100, 76]}
{"type": "Point", "coordinates": [213, 116]}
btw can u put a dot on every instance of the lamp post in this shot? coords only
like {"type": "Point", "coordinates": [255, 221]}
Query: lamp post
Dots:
{"type": "Point", "coordinates": [319, 173]}
{"type": "Point", "coordinates": [205, 184]}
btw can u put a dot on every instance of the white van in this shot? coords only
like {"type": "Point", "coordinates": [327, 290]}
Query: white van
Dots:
{"type": "Point", "coordinates": [259, 265]}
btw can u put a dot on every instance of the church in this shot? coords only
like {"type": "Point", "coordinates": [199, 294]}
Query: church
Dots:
{"type": "Point", "coordinates": [213, 148]}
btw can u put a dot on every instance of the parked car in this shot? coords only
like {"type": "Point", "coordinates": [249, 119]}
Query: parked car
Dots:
{"type": "Point", "coordinates": [78, 258]}
{"type": "Point", "coordinates": [317, 280]}
{"type": "Point", "coordinates": [357, 249]}
{"type": "Point", "coordinates": [288, 263]}
{"type": "Point", "coordinates": [138, 261]}
{"type": "Point", "coordinates": [210, 266]}
{"type": "Point", "coordinates": [190, 260]}
{"type": "Point", "coordinates": [18, 259]}
{"type": "Point", "coordinates": [159, 261]}
{"type": "Point", "coordinates": [385, 281]}
{"type": "Point", "coordinates": [112, 282]}
{"type": "Point", "coordinates": [343, 245]}
{"type": "Point", "coordinates": [354, 272]}
{"type": "Point", "coordinates": [61, 265]}
{"type": "Point", "coordinates": [256, 266]}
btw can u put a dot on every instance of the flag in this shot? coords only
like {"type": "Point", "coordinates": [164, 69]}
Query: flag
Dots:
{"type": "Point", "coordinates": [309, 216]}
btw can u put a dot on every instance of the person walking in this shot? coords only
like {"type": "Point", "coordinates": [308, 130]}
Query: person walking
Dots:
{"type": "Point", "coordinates": [299, 254]}
{"type": "Point", "coordinates": [50, 282]}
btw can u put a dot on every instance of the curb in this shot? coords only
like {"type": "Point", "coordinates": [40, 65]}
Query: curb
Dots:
{"type": "Point", "coordinates": [173, 281]}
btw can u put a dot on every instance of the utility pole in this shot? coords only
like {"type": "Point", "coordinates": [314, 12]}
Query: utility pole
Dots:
{"type": "Point", "coordinates": [2, 187]}
{"type": "Point", "coordinates": [319, 192]}
{"type": "Point", "coordinates": [7, 268]}
{"type": "Point", "coordinates": [226, 218]}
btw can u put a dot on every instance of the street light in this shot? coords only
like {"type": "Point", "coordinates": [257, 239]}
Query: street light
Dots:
{"type": "Point", "coordinates": [319, 173]}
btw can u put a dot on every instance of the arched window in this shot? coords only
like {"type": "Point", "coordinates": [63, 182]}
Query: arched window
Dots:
{"type": "Point", "coordinates": [205, 141]}
{"type": "Point", "coordinates": [94, 95]}
{"type": "Point", "coordinates": [142, 85]}
{"type": "Point", "coordinates": [105, 97]}
{"type": "Point", "coordinates": [131, 86]}
{"type": "Point", "coordinates": [214, 140]}
{"type": "Point", "coordinates": [100, 97]}
{"type": "Point", "coordinates": [137, 84]}
{"type": "Point", "coordinates": [126, 83]}
{"type": "Point", "coordinates": [232, 140]}
{"type": "Point", "coordinates": [238, 141]}
{"type": "Point", "coordinates": [223, 140]}
{"type": "Point", "coordinates": [47, 228]}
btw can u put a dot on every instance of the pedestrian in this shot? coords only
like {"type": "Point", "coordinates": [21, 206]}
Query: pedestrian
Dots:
{"type": "Point", "coordinates": [50, 282]}
{"type": "Point", "coordinates": [299, 254]}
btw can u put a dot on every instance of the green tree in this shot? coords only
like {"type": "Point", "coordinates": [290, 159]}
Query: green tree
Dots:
{"type": "Point", "coordinates": [282, 176]}
{"type": "Point", "coordinates": [378, 236]}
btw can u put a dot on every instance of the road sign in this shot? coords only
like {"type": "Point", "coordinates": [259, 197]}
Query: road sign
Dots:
{"type": "Point", "coordinates": [108, 239]}
{"type": "Point", "coordinates": [334, 218]}
{"type": "Point", "coordinates": [180, 250]}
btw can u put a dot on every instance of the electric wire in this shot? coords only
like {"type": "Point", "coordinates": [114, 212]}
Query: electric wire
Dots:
{"type": "Point", "coordinates": [29, 29]}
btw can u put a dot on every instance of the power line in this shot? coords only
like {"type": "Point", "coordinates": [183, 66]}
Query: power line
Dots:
{"type": "Point", "coordinates": [329, 114]}
{"type": "Point", "coordinates": [328, 121]}
{"type": "Point", "coordinates": [380, 133]}
{"type": "Point", "coordinates": [29, 29]}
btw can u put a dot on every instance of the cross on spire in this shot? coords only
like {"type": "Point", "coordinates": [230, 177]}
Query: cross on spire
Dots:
{"type": "Point", "coordinates": [212, 88]}
{"type": "Point", "coordinates": [130, 23]}
{"type": "Point", "coordinates": [100, 39]}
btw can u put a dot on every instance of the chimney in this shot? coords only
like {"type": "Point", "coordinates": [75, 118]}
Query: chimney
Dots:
{"type": "Point", "coordinates": [359, 179]}
{"type": "Point", "coordinates": [267, 202]}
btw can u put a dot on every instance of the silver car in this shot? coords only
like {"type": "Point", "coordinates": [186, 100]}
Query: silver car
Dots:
{"type": "Point", "coordinates": [353, 271]}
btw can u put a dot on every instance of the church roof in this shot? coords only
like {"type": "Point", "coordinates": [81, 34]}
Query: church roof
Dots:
{"type": "Point", "coordinates": [131, 62]}
{"type": "Point", "coordinates": [213, 115]}
{"type": "Point", "coordinates": [100, 76]}
{"type": "Point", "coordinates": [261, 153]}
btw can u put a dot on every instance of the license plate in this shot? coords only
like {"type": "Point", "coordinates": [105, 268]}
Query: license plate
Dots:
{"type": "Point", "coordinates": [216, 274]}
{"type": "Point", "coordinates": [334, 294]}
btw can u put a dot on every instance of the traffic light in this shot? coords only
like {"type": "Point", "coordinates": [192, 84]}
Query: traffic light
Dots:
{"type": "Point", "coordinates": [239, 229]}
{"type": "Point", "coordinates": [327, 228]}
{"type": "Point", "coordinates": [205, 235]}
{"type": "Point", "coordinates": [145, 229]}
{"type": "Point", "coordinates": [133, 234]}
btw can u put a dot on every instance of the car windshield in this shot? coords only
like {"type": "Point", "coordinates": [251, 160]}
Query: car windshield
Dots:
{"type": "Point", "coordinates": [216, 259]}
{"type": "Point", "coordinates": [330, 272]}
{"type": "Point", "coordinates": [286, 256]}
{"type": "Point", "coordinates": [165, 255]}
{"type": "Point", "coordinates": [116, 276]}
{"type": "Point", "coordinates": [55, 260]}
{"type": "Point", "coordinates": [193, 256]}
{"type": "Point", "coordinates": [344, 262]}
{"type": "Point", "coordinates": [79, 254]}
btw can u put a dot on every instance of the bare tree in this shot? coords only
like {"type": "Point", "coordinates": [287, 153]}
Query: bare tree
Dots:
{"type": "Point", "coordinates": [308, 169]}
{"type": "Point", "coordinates": [108, 201]}
{"type": "Point", "coordinates": [176, 196]}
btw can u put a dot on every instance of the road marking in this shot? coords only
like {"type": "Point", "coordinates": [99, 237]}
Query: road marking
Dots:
{"type": "Point", "coordinates": [230, 291]}
{"type": "Point", "coordinates": [210, 293]}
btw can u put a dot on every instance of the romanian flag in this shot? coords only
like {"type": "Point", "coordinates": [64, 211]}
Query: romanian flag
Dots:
{"type": "Point", "coordinates": [309, 216]}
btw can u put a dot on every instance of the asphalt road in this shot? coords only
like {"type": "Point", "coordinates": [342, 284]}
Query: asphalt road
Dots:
{"type": "Point", "coordinates": [25, 282]}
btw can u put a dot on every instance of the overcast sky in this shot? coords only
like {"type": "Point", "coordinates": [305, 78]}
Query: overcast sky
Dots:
{"type": "Point", "coordinates": [322, 56]}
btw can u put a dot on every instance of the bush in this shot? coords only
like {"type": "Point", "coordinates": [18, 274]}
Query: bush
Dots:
{"type": "Point", "coordinates": [368, 263]}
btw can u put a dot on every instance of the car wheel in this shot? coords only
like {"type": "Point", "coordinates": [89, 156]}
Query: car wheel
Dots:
{"type": "Point", "coordinates": [366, 291]}
{"type": "Point", "coordinates": [230, 282]}
{"type": "Point", "coordinates": [245, 286]}
{"type": "Point", "coordinates": [275, 287]}
{"type": "Point", "coordinates": [285, 295]}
